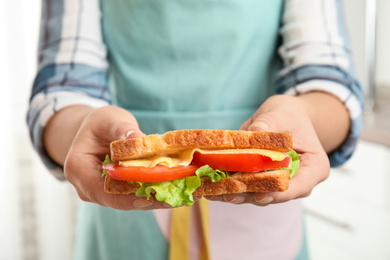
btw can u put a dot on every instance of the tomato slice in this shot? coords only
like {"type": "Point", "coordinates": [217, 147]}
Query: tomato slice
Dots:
{"type": "Point", "coordinates": [159, 173]}
{"type": "Point", "coordinates": [225, 162]}
{"type": "Point", "coordinates": [239, 162]}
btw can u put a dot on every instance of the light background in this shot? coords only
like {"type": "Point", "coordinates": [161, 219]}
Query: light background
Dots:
{"type": "Point", "coordinates": [38, 213]}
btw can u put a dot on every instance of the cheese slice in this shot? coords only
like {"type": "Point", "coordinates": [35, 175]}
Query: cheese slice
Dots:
{"type": "Point", "coordinates": [185, 157]}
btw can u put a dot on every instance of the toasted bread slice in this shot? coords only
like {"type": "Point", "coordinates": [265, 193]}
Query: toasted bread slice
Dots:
{"type": "Point", "coordinates": [178, 140]}
{"type": "Point", "coordinates": [270, 181]}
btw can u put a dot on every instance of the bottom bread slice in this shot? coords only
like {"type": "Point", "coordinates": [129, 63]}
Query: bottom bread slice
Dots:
{"type": "Point", "coordinates": [269, 181]}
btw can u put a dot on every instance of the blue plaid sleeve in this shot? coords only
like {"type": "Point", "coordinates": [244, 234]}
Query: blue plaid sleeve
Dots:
{"type": "Point", "coordinates": [317, 57]}
{"type": "Point", "coordinates": [72, 66]}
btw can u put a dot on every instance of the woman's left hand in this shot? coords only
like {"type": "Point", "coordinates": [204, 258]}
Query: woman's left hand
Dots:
{"type": "Point", "coordinates": [287, 114]}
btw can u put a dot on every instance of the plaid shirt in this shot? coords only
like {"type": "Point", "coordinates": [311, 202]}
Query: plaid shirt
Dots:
{"type": "Point", "coordinates": [73, 65]}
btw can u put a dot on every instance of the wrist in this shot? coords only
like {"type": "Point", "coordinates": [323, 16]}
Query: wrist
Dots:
{"type": "Point", "coordinates": [329, 117]}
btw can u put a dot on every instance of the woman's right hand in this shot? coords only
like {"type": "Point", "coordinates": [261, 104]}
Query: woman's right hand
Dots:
{"type": "Point", "coordinates": [90, 144]}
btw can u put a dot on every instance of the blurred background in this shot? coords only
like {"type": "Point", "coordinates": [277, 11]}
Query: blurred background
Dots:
{"type": "Point", "coordinates": [348, 216]}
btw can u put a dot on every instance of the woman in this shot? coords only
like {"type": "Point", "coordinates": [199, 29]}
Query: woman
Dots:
{"type": "Point", "coordinates": [176, 64]}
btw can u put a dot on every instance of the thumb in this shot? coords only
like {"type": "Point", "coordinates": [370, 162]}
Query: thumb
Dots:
{"type": "Point", "coordinates": [120, 125]}
{"type": "Point", "coordinates": [126, 130]}
{"type": "Point", "coordinates": [263, 122]}
{"type": "Point", "coordinates": [259, 126]}
{"type": "Point", "coordinates": [255, 124]}
{"type": "Point", "coordinates": [259, 122]}
{"type": "Point", "coordinates": [133, 133]}
{"type": "Point", "coordinates": [269, 121]}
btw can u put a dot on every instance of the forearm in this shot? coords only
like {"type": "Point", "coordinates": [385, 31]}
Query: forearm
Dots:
{"type": "Point", "coordinates": [67, 76]}
{"type": "Point", "coordinates": [61, 130]}
{"type": "Point", "coordinates": [330, 118]}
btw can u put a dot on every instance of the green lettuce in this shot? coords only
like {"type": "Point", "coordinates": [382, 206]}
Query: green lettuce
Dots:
{"type": "Point", "coordinates": [179, 192]}
{"type": "Point", "coordinates": [107, 160]}
{"type": "Point", "coordinates": [295, 162]}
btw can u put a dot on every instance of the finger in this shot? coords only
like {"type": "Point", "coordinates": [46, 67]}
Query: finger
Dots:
{"type": "Point", "coordinates": [259, 126]}
{"type": "Point", "coordinates": [134, 133]}
{"type": "Point", "coordinates": [235, 198]}
{"type": "Point", "coordinates": [266, 122]}
{"type": "Point", "coordinates": [246, 124]}
{"type": "Point", "coordinates": [76, 173]}
{"type": "Point", "coordinates": [112, 123]}
{"type": "Point", "coordinates": [262, 200]}
{"type": "Point", "coordinates": [302, 184]}
{"type": "Point", "coordinates": [219, 198]}
{"type": "Point", "coordinates": [125, 130]}
{"type": "Point", "coordinates": [85, 174]}
{"type": "Point", "coordinates": [255, 124]}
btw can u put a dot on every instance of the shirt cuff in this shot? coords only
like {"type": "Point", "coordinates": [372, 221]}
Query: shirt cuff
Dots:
{"type": "Point", "coordinates": [42, 107]}
{"type": "Point", "coordinates": [339, 84]}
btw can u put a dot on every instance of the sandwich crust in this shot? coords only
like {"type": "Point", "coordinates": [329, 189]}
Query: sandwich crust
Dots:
{"type": "Point", "coordinates": [271, 181]}
{"type": "Point", "coordinates": [178, 140]}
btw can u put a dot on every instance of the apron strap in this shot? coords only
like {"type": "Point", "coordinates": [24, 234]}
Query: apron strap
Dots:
{"type": "Point", "coordinates": [204, 215]}
{"type": "Point", "coordinates": [180, 232]}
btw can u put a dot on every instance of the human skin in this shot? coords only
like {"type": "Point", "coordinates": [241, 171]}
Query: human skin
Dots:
{"type": "Point", "coordinates": [318, 122]}
{"type": "Point", "coordinates": [78, 138]}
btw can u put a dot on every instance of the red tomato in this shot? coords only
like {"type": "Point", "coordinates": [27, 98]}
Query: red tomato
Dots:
{"type": "Point", "coordinates": [239, 162]}
{"type": "Point", "coordinates": [158, 173]}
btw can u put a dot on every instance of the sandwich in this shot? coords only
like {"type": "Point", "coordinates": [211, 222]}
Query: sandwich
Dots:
{"type": "Point", "coordinates": [175, 166]}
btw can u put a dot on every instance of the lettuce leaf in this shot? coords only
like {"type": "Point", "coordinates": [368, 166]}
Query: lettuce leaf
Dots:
{"type": "Point", "coordinates": [107, 160]}
{"type": "Point", "coordinates": [295, 162]}
{"type": "Point", "coordinates": [179, 192]}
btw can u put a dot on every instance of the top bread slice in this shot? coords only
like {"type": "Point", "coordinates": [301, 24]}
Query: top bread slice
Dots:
{"type": "Point", "coordinates": [174, 141]}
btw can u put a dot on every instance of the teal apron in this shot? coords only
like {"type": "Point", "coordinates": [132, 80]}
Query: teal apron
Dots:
{"type": "Point", "coordinates": [179, 64]}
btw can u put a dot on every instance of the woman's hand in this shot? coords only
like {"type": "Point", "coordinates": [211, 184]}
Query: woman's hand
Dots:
{"type": "Point", "coordinates": [314, 127]}
{"type": "Point", "coordinates": [84, 141]}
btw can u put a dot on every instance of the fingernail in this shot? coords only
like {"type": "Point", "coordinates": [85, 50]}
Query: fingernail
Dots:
{"type": "Point", "coordinates": [236, 199]}
{"type": "Point", "coordinates": [258, 126]}
{"type": "Point", "coordinates": [142, 203]}
{"type": "Point", "coordinates": [133, 134]}
{"type": "Point", "coordinates": [264, 200]}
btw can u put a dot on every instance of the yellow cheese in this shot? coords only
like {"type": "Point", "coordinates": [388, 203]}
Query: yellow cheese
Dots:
{"type": "Point", "coordinates": [185, 157]}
